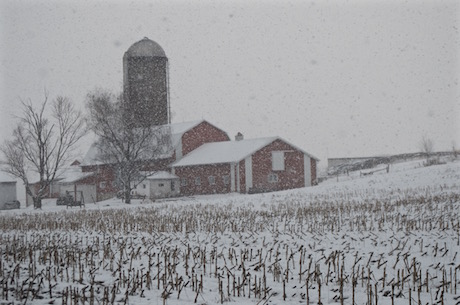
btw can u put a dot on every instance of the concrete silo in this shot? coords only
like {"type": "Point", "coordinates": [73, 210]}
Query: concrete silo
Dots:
{"type": "Point", "coordinates": [145, 83]}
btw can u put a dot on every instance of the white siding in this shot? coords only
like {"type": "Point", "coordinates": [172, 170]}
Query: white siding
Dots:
{"type": "Point", "coordinates": [238, 186]}
{"type": "Point", "coordinates": [161, 188]}
{"type": "Point", "coordinates": [278, 160]}
{"type": "Point", "coordinates": [232, 177]}
{"type": "Point", "coordinates": [179, 149]}
{"type": "Point", "coordinates": [248, 172]}
{"type": "Point", "coordinates": [307, 170]}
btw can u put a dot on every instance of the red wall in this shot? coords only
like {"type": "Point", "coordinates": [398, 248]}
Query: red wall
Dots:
{"type": "Point", "coordinates": [204, 171]}
{"type": "Point", "coordinates": [291, 177]}
{"type": "Point", "coordinates": [201, 134]}
{"type": "Point", "coordinates": [106, 173]}
{"type": "Point", "coordinates": [103, 173]}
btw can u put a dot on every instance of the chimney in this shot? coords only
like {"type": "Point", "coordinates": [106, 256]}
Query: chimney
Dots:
{"type": "Point", "coordinates": [239, 136]}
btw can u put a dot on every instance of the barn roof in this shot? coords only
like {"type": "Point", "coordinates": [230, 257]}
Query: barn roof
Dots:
{"type": "Point", "coordinates": [73, 174]}
{"type": "Point", "coordinates": [70, 174]}
{"type": "Point", "coordinates": [177, 131]}
{"type": "Point", "coordinates": [227, 152]}
{"type": "Point", "coordinates": [4, 177]}
{"type": "Point", "coordinates": [162, 175]}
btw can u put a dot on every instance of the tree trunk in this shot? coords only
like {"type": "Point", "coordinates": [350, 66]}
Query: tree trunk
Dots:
{"type": "Point", "coordinates": [37, 202]}
{"type": "Point", "coordinates": [127, 196]}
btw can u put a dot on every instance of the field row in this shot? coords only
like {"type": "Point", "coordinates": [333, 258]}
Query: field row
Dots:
{"type": "Point", "coordinates": [371, 251]}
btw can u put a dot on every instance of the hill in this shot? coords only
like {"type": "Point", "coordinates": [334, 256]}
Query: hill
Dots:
{"type": "Point", "coordinates": [387, 238]}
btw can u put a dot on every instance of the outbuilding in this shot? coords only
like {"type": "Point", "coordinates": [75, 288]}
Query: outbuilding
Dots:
{"type": "Point", "coordinates": [245, 166]}
{"type": "Point", "coordinates": [160, 184]}
{"type": "Point", "coordinates": [7, 190]}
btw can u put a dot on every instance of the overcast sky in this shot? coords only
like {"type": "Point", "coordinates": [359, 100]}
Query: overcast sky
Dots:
{"type": "Point", "coordinates": [336, 78]}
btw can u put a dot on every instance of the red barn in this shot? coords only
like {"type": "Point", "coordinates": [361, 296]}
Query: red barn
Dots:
{"type": "Point", "coordinates": [245, 166]}
{"type": "Point", "coordinates": [185, 137]}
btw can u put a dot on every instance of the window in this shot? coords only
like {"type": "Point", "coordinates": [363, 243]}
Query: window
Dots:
{"type": "Point", "coordinates": [102, 184]}
{"type": "Point", "coordinates": [197, 181]}
{"type": "Point", "coordinates": [211, 180]}
{"type": "Point", "coordinates": [183, 182]}
{"type": "Point", "coordinates": [278, 160]}
{"type": "Point", "coordinates": [161, 184]}
{"type": "Point", "coordinates": [226, 179]}
{"type": "Point", "coordinates": [173, 186]}
{"type": "Point", "coordinates": [273, 178]}
{"type": "Point", "coordinates": [144, 186]}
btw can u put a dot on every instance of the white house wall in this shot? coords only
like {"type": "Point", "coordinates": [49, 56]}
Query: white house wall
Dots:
{"type": "Point", "coordinates": [238, 184]}
{"type": "Point", "coordinates": [143, 188]}
{"type": "Point", "coordinates": [248, 172]}
{"type": "Point", "coordinates": [158, 191]}
{"type": "Point", "coordinates": [179, 149]}
{"type": "Point", "coordinates": [232, 177]}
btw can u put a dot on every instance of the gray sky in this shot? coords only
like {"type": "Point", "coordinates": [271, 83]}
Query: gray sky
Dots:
{"type": "Point", "coordinates": [336, 78]}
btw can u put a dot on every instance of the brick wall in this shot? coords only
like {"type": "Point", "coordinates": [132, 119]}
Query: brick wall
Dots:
{"type": "Point", "coordinates": [291, 177]}
{"type": "Point", "coordinates": [201, 134]}
{"type": "Point", "coordinates": [190, 173]}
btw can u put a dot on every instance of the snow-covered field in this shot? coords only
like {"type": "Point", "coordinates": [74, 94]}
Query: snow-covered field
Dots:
{"type": "Point", "coordinates": [381, 238]}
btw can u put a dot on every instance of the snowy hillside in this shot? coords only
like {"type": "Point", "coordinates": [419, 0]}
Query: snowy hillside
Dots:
{"type": "Point", "coordinates": [382, 238]}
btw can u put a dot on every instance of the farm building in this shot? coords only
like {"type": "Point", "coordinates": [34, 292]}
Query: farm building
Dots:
{"type": "Point", "coordinates": [160, 184]}
{"type": "Point", "coordinates": [185, 137]}
{"type": "Point", "coordinates": [202, 157]}
{"type": "Point", "coordinates": [7, 189]}
{"type": "Point", "coordinates": [71, 180]}
{"type": "Point", "coordinates": [245, 166]}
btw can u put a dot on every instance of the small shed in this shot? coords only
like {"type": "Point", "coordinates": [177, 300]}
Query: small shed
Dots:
{"type": "Point", "coordinates": [7, 189]}
{"type": "Point", "coordinates": [161, 184]}
{"type": "Point", "coordinates": [80, 184]}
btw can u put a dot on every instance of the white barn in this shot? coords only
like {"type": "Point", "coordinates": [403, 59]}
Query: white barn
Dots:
{"type": "Point", "coordinates": [7, 189]}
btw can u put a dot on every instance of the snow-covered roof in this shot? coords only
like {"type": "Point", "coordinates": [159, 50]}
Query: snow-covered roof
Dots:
{"type": "Point", "coordinates": [162, 175]}
{"type": "Point", "coordinates": [4, 177]}
{"type": "Point", "coordinates": [228, 151]}
{"type": "Point", "coordinates": [72, 174]}
{"type": "Point", "coordinates": [224, 152]}
{"type": "Point", "coordinates": [177, 131]}
{"type": "Point", "coordinates": [90, 157]}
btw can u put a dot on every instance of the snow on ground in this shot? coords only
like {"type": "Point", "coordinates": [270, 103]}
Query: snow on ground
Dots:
{"type": "Point", "coordinates": [386, 237]}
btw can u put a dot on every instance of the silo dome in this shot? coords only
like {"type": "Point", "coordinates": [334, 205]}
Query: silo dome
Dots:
{"type": "Point", "coordinates": [145, 48]}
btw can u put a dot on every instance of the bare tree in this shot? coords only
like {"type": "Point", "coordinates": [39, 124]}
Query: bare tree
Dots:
{"type": "Point", "coordinates": [42, 145]}
{"type": "Point", "coordinates": [128, 147]}
{"type": "Point", "coordinates": [426, 145]}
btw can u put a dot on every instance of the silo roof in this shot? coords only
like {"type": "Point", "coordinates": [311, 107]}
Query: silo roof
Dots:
{"type": "Point", "coordinates": [145, 48]}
